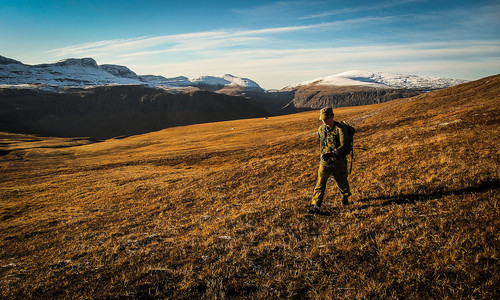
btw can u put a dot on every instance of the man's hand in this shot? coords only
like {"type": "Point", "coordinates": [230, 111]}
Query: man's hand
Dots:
{"type": "Point", "coordinates": [326, 156]}
{"type": "Point", "coordinates": [329, 155]}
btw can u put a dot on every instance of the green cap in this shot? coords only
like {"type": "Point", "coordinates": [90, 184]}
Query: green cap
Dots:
{"type": "Point", "coordinates": [326, 113]}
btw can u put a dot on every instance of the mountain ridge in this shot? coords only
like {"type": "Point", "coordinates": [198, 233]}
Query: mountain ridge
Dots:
{"type": "Point", "coordinates": [117, 74]}
{"type": "Point", "coordinates": [349, 88]}
{"type": "Point", "coordinates": [384, 80]}
{"type": "Point", "coordinates": [86, 71]}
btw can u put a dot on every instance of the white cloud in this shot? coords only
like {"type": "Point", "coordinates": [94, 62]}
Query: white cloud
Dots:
{"type": "Point", "coordinates": [358, 8]}
{"type": "Point", "coordinates": [197, 41]}
{"type": "Point", "coordinates": [112, 47]}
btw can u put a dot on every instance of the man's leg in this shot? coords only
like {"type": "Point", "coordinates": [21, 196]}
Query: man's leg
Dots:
{"type": "Point", "coordinates": [340, 174]}
{"type": "Point", "coordinates": [319, 191]}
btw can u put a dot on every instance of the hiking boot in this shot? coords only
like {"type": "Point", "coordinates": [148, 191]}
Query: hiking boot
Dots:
{"type": "Point", "coordinates": [345, 201]}
{"type": "Point", "coordinates": [314, 209]}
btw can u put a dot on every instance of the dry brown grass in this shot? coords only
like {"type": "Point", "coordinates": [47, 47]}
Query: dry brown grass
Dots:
{"type": "Point", "coordinates": [218, 210]}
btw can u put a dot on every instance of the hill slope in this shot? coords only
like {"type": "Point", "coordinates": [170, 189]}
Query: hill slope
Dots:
{"type": "Point", "coordinates": [218, 210]}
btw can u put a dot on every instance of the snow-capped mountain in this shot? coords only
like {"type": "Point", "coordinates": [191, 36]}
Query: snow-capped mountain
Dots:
{"type": "Point", "coordinates": [68, 72]}
{"type": "Point", "coordinates": [120, 71]}
{"type": "Point", "coordinates": [86, 71]}
{"type": "Point", "coordinates": [384, 80]}
{"type": "Point", "coordinates": [355, 88]}
{"type": "Point", "coordinates": [226, 80]}
{"type": "Point", "coordinates": [211, 82]}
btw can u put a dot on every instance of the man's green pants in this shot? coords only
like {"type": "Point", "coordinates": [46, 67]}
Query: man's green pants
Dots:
{"type": "Point", "coordinates": [336, 168]}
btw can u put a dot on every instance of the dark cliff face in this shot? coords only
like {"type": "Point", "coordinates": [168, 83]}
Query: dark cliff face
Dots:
{"type": "Point", "coordinates": [109, 111]}
{"type": "Point", "coordinates": [317, 97]}
{"type": "Point", "coordinates": [273, 102]}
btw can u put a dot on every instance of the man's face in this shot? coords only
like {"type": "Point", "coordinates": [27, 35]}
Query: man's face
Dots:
{"type": "Point", "coordinates": [328, 121]}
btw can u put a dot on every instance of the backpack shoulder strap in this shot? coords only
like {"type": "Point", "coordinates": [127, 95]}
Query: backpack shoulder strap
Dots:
{"type": "Point", "coordinates": [323, 138]}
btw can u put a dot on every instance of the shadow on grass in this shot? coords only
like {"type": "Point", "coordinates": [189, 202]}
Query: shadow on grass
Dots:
{"type": "Point", "coordinates": [321, 213]}
{"type": "Point", "coordinates": [419, 197]}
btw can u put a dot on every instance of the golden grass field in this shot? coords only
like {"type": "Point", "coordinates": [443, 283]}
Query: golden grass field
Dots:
{"type": "Point", "coordinates": [218, 210]}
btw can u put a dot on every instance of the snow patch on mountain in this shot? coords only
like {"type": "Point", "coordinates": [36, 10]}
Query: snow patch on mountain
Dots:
{"type": "Point", "coordinates": [74, 62]}
{"type": "Point", "coordinates": [158, 80]}
{"type": "Point", "coordinates": [384, 80]}
{"type": "Point", "coordinates": [68, 72]}
{"type": "Point", "coordinates": [86, 72]}
{"type": "Point", "coordinates": [226, 80]}
{"type": "Point", "coordinates": [120, 71]}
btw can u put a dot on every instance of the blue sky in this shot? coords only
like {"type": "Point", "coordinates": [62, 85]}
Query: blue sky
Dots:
{"type": "Point", "coordinates": [275, 43]}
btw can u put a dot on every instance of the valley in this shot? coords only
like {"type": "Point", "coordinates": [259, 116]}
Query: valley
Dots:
{"type": "Point", "coordinates": [219, 209]}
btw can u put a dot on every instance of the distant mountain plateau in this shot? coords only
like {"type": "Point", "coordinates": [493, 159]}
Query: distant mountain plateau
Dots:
{"type": "Point", "coordinates": [78, 97]}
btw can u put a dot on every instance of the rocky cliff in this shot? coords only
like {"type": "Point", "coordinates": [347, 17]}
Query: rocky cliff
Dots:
{"type": "Point", "coordinates": [109, 111]}
{"type": "Point", "coordinates": [317, 96]}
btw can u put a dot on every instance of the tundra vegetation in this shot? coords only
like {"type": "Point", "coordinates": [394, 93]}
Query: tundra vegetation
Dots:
{"type": "Point", "coordinates": [218, 210]}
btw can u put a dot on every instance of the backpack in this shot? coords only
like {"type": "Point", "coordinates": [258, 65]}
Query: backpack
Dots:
{"type": "Point", "coordinates": [348, 131]}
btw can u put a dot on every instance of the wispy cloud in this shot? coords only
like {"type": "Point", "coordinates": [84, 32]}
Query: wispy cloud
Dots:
{"type": "Point", "coordinates": [197, 45]}
{"type": "Point", "coordinates": [276, 8]}
{"type": "Point", "coordinates": [83, 49]}
{"type": "Point", "coordinates": [358, 8]}
{"type": "Point", "coordinates": [127, 45]}
{"type": "Point", "coordinates": [197, 41]}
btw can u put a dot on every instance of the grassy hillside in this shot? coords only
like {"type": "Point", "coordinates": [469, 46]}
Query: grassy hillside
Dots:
{"type": "Point", "coordinates": [219, 210]}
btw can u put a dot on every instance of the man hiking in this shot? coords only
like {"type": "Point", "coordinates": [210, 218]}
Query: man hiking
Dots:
{"type": "Point", "coordinates": [334, 148]}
